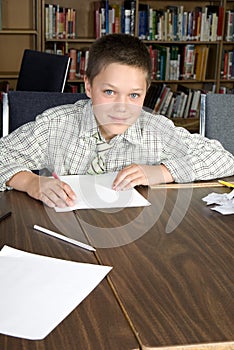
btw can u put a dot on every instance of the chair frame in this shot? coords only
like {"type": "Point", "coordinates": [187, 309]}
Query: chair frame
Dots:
{"type": "Point", "coordinates": [216, 118]}
{"type": "Point", "coordinates": [202, 124]}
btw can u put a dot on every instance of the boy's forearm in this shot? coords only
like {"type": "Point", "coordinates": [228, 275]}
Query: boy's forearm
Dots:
{"type": "Point", "coordinates": [22, 180]}
{"type": "Point", "coordinates": [163, 175]}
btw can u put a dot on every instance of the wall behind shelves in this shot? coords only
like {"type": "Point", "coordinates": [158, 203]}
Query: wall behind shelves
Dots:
{"type": "Point", "coordinates": [17, 14]}
{"type": "Point", "coordinates": [20, 30]}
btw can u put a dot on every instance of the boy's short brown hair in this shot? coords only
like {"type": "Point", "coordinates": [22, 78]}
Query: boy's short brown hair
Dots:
{"type": "Point", "coordinates": [118, 48]}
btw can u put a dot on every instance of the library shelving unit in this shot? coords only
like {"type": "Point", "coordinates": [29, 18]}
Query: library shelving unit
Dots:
{"type": "Point", "coordinates": [31, 30]}
{"type": "Point", "coordinates": [226, 62]}
{"type": "Point", "coordinates": [216, 43]}
{"type": "Point", "coordinates": [20, 29]}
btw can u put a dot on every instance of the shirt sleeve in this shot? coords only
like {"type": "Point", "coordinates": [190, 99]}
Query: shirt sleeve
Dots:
{"type": "Point", "coordinates": [190, 157]}
{"type": "Point", "coordinates": [23, 150]}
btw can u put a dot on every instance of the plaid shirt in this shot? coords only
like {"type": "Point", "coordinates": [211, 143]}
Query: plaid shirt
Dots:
{"type": "Point", "coordinates": [61, 139]}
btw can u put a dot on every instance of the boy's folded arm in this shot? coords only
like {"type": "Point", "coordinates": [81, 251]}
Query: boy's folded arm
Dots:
{"type": "Point", "coordinates": [139, 174]}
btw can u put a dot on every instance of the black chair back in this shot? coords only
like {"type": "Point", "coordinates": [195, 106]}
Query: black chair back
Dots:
{"type": "Point", "coordinates": [41, 71]}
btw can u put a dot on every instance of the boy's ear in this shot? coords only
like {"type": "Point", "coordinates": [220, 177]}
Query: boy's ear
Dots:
{"type": "Point", "coordinates": [87, 86]}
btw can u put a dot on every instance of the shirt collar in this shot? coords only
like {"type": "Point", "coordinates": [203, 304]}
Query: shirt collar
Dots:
{"type": "Point", "coordinates": [133, 134]}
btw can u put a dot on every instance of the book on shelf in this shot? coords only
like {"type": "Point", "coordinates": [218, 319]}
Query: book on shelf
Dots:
{"type": "Point", "coordinates": [174, 23]}
{"type": "Point", "coordinates": [73, 64]}
{"type": "Point", "coordinates": [182, 103]}
{"type": "Point", "coordinates": [117, 18]}
{"type": "Point", "coordinates": [167, 102]}
{"type": "Point", "coordinates": [114, 18]}
{"type": "Point", "coordinates": [143, 26]}
{"type": "Point", "coordinates": [188, 104]}
{"type": "Point", "coordinates": [177, 104]}
{"type": "Point", "coordinates": [170, 107]}
{"type": "Point", "coordinates": [229, 26]}
{"type": "Point", "coordinates": [195, 104]}
{"type": "Point", "coordinates": [84, 55]}
{"type": "Point", "coordinates": [152, 95]}
{"type": "Point", "coordinates": [130, 15]}
{"type": "Point", "coordinates": [60, 22]}
{"type": "Point", "coordinates": [226, 90]}
{"type": "Point", "coordinates": [220, 23]}
{"type": "Point", "coordinates": [75, 88]}
{"type": "Point", "coordinates": [188, 62]}
{"type": "Point", "coordinates": [227, 64]}
{"type": "Point", "coordinates": [188, 92]}
{"type": "Point", "coordinates": [174, 65]}
{"type": "Point", "coordinates": [161, 98]}
{"type": "Point", "coordinates": [213, 15]}
{"type": "Point", "coordinates": [201, 58]}
{"type": "Point", "coordinates": [79, 60]}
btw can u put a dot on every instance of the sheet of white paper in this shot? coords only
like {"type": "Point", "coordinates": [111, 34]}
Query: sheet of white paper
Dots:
{"type": "Point", "coordinates": [225, 202]}
{"type": "Point", "coordinates": [38, 292]}
{"type": "Point", "coordinates": [95, 191]}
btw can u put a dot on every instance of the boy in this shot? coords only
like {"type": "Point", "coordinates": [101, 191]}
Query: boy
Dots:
{"type": "Point", "coordinates": [144, 148]}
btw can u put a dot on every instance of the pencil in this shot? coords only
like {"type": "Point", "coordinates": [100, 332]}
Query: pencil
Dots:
{"type": "Point", "coordinates": [64, 238]}
{"type": "Point", "coordinates": [225, 183]}
{"type": "Point", "coordinates": [55, 175]}
{"type": "Point", "coordinates": [5, 215]}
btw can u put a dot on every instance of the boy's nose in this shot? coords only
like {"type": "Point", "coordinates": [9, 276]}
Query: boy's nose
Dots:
{"type": "Point", "coordinates": [121, 107]}
{"type": "Point", "coordinates": [121, 103]}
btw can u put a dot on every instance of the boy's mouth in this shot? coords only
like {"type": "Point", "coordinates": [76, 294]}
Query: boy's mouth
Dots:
{"type": "Point", "coordinates": [120, 120]}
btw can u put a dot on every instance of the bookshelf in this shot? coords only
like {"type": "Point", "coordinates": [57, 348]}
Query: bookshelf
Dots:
{"type": "Point", "coordinates": [20, 29]}
{"type": "Point", "coordinates": [217, 45]}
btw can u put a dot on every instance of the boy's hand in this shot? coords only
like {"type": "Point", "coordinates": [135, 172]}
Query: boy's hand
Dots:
{"type": "Point", "coordinates": [50, 191]}
{"type": "Point", "coordinates": [135, 175]}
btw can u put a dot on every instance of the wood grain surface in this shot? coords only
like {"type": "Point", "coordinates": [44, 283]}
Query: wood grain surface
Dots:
{"type": "Point", "coordinates": [98, 322]}
{"type": "Point", "coordinates": [175, 280]}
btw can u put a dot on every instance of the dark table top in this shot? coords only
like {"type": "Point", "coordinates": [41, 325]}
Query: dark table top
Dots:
{"type": "Point", "coordinates": [172, 281]}
{"type": "Point", "coordinates": [172, 266]}
{"type": "Point", "coordinates": [98, 322]}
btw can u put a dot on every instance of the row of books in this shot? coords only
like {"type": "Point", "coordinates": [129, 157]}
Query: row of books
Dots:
{"type": "Point", "coordinates": [60, 22]}
{"type": "Point", "coordinates": [183, 103]}
{"type": "Point", "coordinates": [79, 60]}
{"type": "Point", "coordinates": [114, 18]}
{"type": "Point", "coordinates": [168, 63]}
{"type": "Point", "coordinates": [75, 88]}
{"type": "Point", "coordinates": [226, 90]}
{"type": "Point", "coordinates": [171, 24]}
{"type": "Point", "coordinates": [176, 23]}
{"type": "Point", "coordinates": [227, 64]}
{"type": "Point", "coordinates": [229, 26]}
{"type": "Point", "coordinates": [179, 63]}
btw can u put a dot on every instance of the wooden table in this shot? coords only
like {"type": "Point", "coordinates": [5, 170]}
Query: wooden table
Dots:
{"type": "Point", "coordinates": [98, 322]}
{"type": "Point", "coordinates": [175, 281]}
{"type": "Point", "coordinates": [172, 282]}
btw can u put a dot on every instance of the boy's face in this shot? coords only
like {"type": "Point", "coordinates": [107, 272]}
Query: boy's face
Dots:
{"type": "Point", "coordinates": [117, 94]}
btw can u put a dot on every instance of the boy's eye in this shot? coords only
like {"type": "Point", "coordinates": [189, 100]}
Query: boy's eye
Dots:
{"type": "Point", "coordinates": [109, 92]}
{"type": "Point", "coordinates": [134, 95]}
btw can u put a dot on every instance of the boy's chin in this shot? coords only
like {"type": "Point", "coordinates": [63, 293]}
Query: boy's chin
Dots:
{"type": "Point", "coordinates": [114, 129]}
